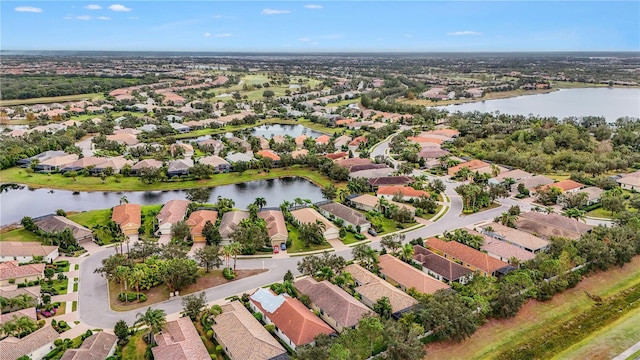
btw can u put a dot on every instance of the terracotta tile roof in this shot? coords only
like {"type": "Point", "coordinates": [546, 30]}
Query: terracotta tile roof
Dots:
{"type": "Point", "coordinates": [299, 153]}
{"type": "Point", "coordinates": [309, 216]}
{"type": "Point", "coordinates": [268, 154]}
{"type": "Point", "coordinates": [348, 163]}
{"type": "Point", "coordinates": [243, 336]}
{"type": "Point", "coordinates": [449, 270]}
{"type": "Point", "coordinates": [445, 132]}
{"type": "Point", "coordinates": [180, 341]}
{"type": "Point", "coordinates": [12, 348]}
{"type": "Point", "coordinates": [408, 276]}
{"type": "Point", "coordinates": [9, 292]}
{"type": "Point", "coordinates": [518, 237]}
{"type": "Point", "coordinates": [337, 155]}
{"type": "Point", "coordinates": [420, 139]}
{"type": "Point", "coordinates": [374, 288]}
{"type": "Point", "coordinates": [403, 190]}
{"type": "Point", "coordinates": [173, 211]}
{"type": "Point", "coordinates": [126, 139]}
{"type": "Point", "coordinates": [344, 121]}
{"type": "Point", "coordinates": [357, 141]}
{"type": "Point", "coordinates": [297, 322]}
{"type": "Point", "coordinates": [199, 218]}
{"type": "Point", "coordinates": [30, 313]}
{"type": "Point", "coordinates": [300, 139]}
{"type": "Point", "coordinates": [275, 222]}
{"type": "Point", "coordinates": [476, 258]}
{"type": "Point", "coordinates": [96, 346]}
{"type": "Point", "coordinates": [323, 139]}
{"type": "Point", "coordinates": [31, 248]}
{"type": "Point", "coordinates": [127, 214]}
{"type": "Point", "coordinates": [11, 270]}
{"type": "Point", "coordinates": [87, 161]}
{"type": "Point", "coordinates": [548, 225]}
{"type": "Point", "coordinates": [334, 301]}
{"type": "Point", "coordinates": [471, 165]}
{"type": "Point", "coordinates": [565, 185]}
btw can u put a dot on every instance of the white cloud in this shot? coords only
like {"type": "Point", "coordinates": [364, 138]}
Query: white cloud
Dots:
{"type": "Point", "coordinates": [314, 7]}
{"type": "Point", "coordinates": [207, 34]}
{"type": "Point", "coordinates": [104, 18]}
{"type": "Point", "coordinates": [218, 16]}
{"type": "Point", "coordinates": [274, 12]}
{"type": "Point", "coordinates": [305, 39]}
{"type": "Point", "coordinates": [462, 33]}
{"type": "Point", "coordinates": [119, 8]}
{"type": "Point", "coordinates": [224, 35]}
{"type": "Point", "coordinates": [31, 9]}
{"type": "Point", "coordinates": [83, 17]}
{"type": "Point", "coordinates": [93, 7]}
{"type": "Point", "coordinates": [68, 17]}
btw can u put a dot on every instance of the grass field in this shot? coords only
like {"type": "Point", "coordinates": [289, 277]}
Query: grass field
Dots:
{"type": "Point", "coordinates": [49, 100]}
{"type": "Point", "coordinates": [537, 317]}
{"type": "Point", "coordinates": [489, 96]}
{"type": "Point", "coordinates": [608, 342]}
{"type": "Point", "coordinates": [91, 218]}
{"type": "Point", "coordinates": [19, 235]}
{"type": "Point", "coordinates": [92, 183]}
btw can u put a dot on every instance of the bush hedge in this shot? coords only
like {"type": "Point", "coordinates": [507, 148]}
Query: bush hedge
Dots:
{"type": "Point", "coordinates": [228, 274]}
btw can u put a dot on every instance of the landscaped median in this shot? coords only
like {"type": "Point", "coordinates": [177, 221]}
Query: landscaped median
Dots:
{"type": "Point", "coordinates": [93, 183]}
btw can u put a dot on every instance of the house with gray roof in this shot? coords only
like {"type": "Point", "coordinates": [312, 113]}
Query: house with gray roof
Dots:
{"type": "Point", "coordinates": [229, 223]}
{"type": "Point", "coordinates": [35, 345]}
{"type": "Point", "coordinates": [40, 157]}
{"type": "Point", "coordinates": [54, 224]}
{"type": "Point", "coordinates": [236, 157]}
{"type": "Point", "coordinates": [351, 217]}
{"type": "Point", "coordinates": [100, 345]}
{"type": "Point", "coordinates": [179, 167]}
{"type": "Point", "coordinates": [441, 268]}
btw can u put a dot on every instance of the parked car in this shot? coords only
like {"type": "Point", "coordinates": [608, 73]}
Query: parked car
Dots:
{"type": "Point", "coordinates": [372, 232]}
{"type": "Point", "coordinates": [276, 249]}
{"type": "Point", "coordinates": [283, 246]}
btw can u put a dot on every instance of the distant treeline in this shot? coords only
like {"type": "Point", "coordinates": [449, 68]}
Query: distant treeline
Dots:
{"type": "Point", "coordinates": [35, 86]}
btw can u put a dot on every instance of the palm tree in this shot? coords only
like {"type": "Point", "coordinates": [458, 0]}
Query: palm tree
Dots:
{"type": "Point", "coordinates": [236, 249]}
{"type": "Point", "coordinates": [124, 200]}
{"type": "Point", "coordinates": [260, 202]}
{"type": "Point", "coordinates": [154, 319]}
{"type": "Point", "coordinates": [136, 277]}
{"type": "Point", "coordinates": [406, 252]}
{"type": "Point", "coordinates": [227, 252]}
{"type": "Point", "coordinates": [123, 273]}
{"type": "Point", "coordinates": [507, 219]}
{"type": "Point", "coordinates": [575, 213]}
{"type": "Point", "coordinates": [325, 273]}
{"type": "Point", "coordinates": [285, 206]}
{"type": "Point", "coordinates": [495, 170]}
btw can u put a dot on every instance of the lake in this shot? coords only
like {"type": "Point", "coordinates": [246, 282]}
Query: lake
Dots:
{"type": "Point", "coordinates": [270, 130]}
{"type": "Point", "coordinates": [38, 202]}
{"type": "Point", "coordinates": [612, 103]}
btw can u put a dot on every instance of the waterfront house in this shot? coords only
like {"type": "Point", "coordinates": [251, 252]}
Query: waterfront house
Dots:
{"type": "Point", "coordinates": [56, 163]}
{"type": "Point", "coordinates": [229, 223]}
{"type": "Point", "coordinates": [146, 163]}
{"type": "Point", "coordinates": [197, 220]}
{"type": "Point", "coordinates": [179, 167]}
{"type": "Point", "coordinates": [310, 216]}
{"type": "Point", "coordinates": [349, 216]}
{"type": "Point", "coordinates": [171, 213]}
{"type": "Point", "coordinates": [128, 217]}
{"type": "Point", "coordinates": [25, 251]}
{"type": "Point", "coordinates": [276, 226]}
{"type": "Point", "coordinates": [219, 164]}
{"type": "Point", "coordinates": [54, 224]}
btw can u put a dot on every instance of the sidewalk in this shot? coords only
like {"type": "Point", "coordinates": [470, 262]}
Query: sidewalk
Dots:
{"type": "Point", "coordinates": [627, 353]}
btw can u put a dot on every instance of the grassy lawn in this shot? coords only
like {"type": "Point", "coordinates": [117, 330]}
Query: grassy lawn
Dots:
{"type": "Point", "coordinates": [350, 238]}
{"type": "Point", "coordinates": [135, 348]}
{"type": "Point", "coordinates": [92, 217]}
{"type": "Point", "coordinates": [380, 221]}
{"type": "Point", "coordinates": [74, 306]}
{"type": "Point", "coordinates": [75, 285]}
{"type": "Point", "coordinates": [609, 341]}
{"type": "Point", "coordinates": [62, 309]}
{"type": "Point", "coordinates": [634, 356]}
{"type": "Point", "coordinates": [53, 99]}
{"type": "Point", "coordinates": [19, 235]}
{"type": "Point", "coordinates": [60, 286]}
{"type": "Point", "coordinates": [599, 213]}
{"type": "Point", "coordinates": [91, 183]}
{"type": "Point", "coordinates": [536, 318]}
{"type": "Point", "coordinates": [298, 246]}
{"type": "Point", "coordinates": [428, 216]}
{"type": "Point", "coordinates": [77, 267]}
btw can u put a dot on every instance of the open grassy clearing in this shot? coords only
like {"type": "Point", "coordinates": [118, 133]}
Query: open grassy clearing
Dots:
{"type": "Point", "coordinates": [93, 183]}
{"type": "Point", "coordinates": [53, 99]}
{"type": "Point", "coordinates": [488, 96]}
{"type": "Point", "coordinates": [21, 235]}
{"type": "Point", "coordinates": [608, 342]}
{"type": "Point", "coordinates": [91, 218]}
{"type": "Point", "coordinates": [537, 317]}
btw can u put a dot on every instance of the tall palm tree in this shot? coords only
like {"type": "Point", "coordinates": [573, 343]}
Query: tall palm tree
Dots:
{"type": "Point", "coordinates": [154, 319]}
{"type": "Point", "coordinates": [260, 202]}
{"type": "Point", "coordinates": [135, 278]}
{"type": "Point", "coordinates": [406, 252]}
{"type": "Point", "coordinates": [507, 219]}
{"type": "Point", "coordinates": [236, 249]}
{"type": "Point", "coordinates": [124, 200]}
{"type": "Point", "coordinates": [227, 252]}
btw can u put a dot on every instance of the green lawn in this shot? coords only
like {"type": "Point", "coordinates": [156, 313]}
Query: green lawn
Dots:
{"type": "Point", "coordinates": [19, 235]}
{"type": "Point", "coordinates": [298, 246]}
{"type": "Point", "coordinates": [74, 306]}
{"type": "Point", "coordinates": [135, 348]}
{"type": "Point", "coordinates": [428, 216]}
{"type": "Point", "coordinates": [53, 99]}
{"type": "Point", "coordinates": [92, 217]}
{"type": "Point", "coordinates": [350, 238]}
{"type": "Point", "coordinates": [92, 183]}
{"type": "Point", "coordinates": [599, 213]}
{"type": "Point", "coordinates": [387, 225]}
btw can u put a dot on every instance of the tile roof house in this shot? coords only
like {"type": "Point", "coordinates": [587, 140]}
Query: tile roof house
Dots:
{"type": "Point", "coordinates": [179, 340]}
{"type": "Point", "coordinates": [337, 156]}
{"type": "Point", "coordinates": [40, 157]}
{"type": "Point", "coordinates": [431, 152]}
{"type": "Point", "coordinates": [299, 140]}
{"type": "Point", "coordinates": [35, 345]}
{"type": "Point", "coordinates": [372, 173]}
{"type": "Point", "coordinates": [54, 223]}
{"type": "Point", "coordinates": [405, 192]}
{"type": "Point", "coordinates": [25, 251]}
{"type": "Point", "coordinates": [350, 162]}
{"type": "Point", "coordinates": [172, 212]}
{"type": "Point", "coordinates": [55, 163]}
{"type": "Point", "coordinates": [218, 163]}
{"type": "Point", "coordinates": [470, 257]}
{"type": "Point", "coordinates": [124, 139]}
{"type": "Point", "coordinates": [242, 337]}
{"type": "Point", "coordinates": [276, 226]}
{"type": "Point", "coordinates": [371, 288]}
{"type": "Point", "coordinates": [310, 216]}
{"type": "Point", "coordinates": [441, 268]}
{"type": "Point", "coordinates": [630, 181]}
{"type": "Point", "coordinates": [268, 154]}
{"type": "Point", "coordinates": [405, 276]}
{"type": "Point", "coordinates": [9, 292]}
{"type": "Point", "coordinates": [336, 307]}
{"type": "Point", "coordinates": [197, 220]}
{"type": "Point", "coordinates": [565, 186]}
{"type": "Point", "coordinates": [128, 217]}
{"type": "Point", "coordinates": [229, 223]}
{"type": "Point", "coordinates": [295, 324]}
{"type": "Point", "coordinates": [548, 225]}
{"type": "Point", "coordinates": [187, 148]}
{"type": "Point", "coordinates": [179, 167]}
{"type": "Point", "coordinates": [593, 194]}
{"type": "Point", "coordinates": [116, 163]}
{"type": "Point", "coordinates": [150, 163]}
{"type": "Point", "coordinates": [323, 139]}
{"type": "Point", "coordinates": [503, 250]}
{"type": "Point", "coordinates": [534, 181]}
{"type": "Point", "coordinates": [516, 237]}
{"type": "Point", "coordinates": [82, 163]}
{"type": "Point", "coordinates": [472, 165]}
{"type": "Point", "coordinates": [11, 316]}
{"type": "Point", "coordinates": [421, 140]}
{"type": "Point", "coordinates": [390, 180]}
{"type": "Point", "coordinates": [365, 202]}
{"type": "Point", "coordinates": [100, 345]}
{"type": "Point", "coordinates": [340, 141]}
{"type": "Point", "coordinates": [350, 216]}
{"type": "Point", "coordinates": [355, 143]}
{"type": "Point", "coordinates": [20, 273]}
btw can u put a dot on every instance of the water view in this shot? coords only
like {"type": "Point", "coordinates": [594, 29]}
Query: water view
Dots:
{"type": "Point", "coordinates": [18, 203]}
{"type": "Point", "coordinates": [270, 130]}
{"type": "Point", "coordinates": [612, 103]}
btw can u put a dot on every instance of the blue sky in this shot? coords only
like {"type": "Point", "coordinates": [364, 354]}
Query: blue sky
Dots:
{"type": "Point", "coordinates": [314, 26]}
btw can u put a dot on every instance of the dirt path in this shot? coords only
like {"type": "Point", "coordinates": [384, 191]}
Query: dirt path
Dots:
{"type": "Point", "coordinates": [535, 315]}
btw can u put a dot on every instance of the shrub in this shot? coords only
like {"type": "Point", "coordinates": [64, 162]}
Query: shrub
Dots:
{"type": "Point", "coordinates": [129, 296]}
{"type": "Point", "coordinates": [12, 281]}
{"type": "Point", "coordinates": [228, 274]}
{"type": "Point", "coordinates": [219, 348]}
{"type": "Point", "coordinates": [209, 333]}
{"type": "Point", "coordinates": [258, 316]}
{"type": "Point", "coordinates": [270, 328]}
